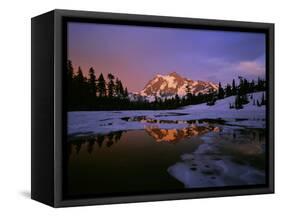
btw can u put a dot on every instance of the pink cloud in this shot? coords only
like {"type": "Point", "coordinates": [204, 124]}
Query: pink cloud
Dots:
{"type": "Point", "coordinates": [251, 67]}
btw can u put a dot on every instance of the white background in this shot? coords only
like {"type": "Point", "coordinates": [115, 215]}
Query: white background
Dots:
{"type": "Point", "coordinates": [15, 107]}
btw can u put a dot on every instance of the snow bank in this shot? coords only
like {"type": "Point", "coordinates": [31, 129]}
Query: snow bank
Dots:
{"type": "Point", "coordinates": [208, 166]}
{"type": "Point", "coordinates": [250, 116]}
{"type": "Point", "coordinates": [201, 170]}
{"type": "Point", "coordinates": [103, 122]}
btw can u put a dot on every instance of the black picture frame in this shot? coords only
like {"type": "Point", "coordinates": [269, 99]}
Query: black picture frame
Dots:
{"type": "Point", "coordinates": [48, 103]}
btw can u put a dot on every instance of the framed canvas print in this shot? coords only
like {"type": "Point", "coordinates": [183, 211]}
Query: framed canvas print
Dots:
{"type": "Point", "coordinates": [129, 108]}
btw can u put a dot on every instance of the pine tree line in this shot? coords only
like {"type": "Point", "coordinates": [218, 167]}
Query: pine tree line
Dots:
{"type": "Point", "coordinates": [93, 93]}
{"type": "Point", "coordinates": [245, 87]}
{"type": "Point", "coordinates": [100, 93]}
{"type": "Point", "coordinates": [240, 91]}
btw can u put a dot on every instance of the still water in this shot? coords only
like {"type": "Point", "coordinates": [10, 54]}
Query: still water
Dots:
{"type": "Point", "coordinates": [155, 159]}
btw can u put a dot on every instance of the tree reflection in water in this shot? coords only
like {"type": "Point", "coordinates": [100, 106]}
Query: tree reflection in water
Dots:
{"type": "Point", "coordinates": [90, 141]}
{"type": "Point", "coordinates": [197, 155]}
{"type": "Point", "coordinates": [158, 134]}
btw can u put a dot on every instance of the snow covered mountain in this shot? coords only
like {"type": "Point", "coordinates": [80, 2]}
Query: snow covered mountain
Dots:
{"type": "Point", "coordinates": [166, 86]}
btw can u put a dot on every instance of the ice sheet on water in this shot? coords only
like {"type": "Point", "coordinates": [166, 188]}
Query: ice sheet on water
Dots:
{"type": "Point", "coordinates": [203, 169]}
{"type": "Point", "coordinates": [210, 166]}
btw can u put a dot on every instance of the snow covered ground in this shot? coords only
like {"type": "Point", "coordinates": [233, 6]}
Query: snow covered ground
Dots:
{"type": "Point", "coordinates": [211, 171]}
{"type": "Point", "coordinates": [223, 158]}
{"type": "Point", "coordinates": [103, 122]}
{"type": "Point", "coordinates": [211, 164]}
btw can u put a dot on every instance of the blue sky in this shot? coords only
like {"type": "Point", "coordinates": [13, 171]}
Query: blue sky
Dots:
{"type": "Point", "coordinates": [136, 54]}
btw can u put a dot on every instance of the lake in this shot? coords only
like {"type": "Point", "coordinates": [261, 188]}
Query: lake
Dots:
{"type": "Point", "coordinates": [153, 159]}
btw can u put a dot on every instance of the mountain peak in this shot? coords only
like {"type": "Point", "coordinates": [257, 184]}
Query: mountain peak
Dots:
{"type": "Point", "coordinates": [177, 76]}
{"type": "Point", "coordinates": [174, 74]}
{"type": "Point", "coordinates": [173, 83]}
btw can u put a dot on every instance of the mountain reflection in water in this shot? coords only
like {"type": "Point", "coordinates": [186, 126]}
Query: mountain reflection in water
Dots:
{"type": "Point", "coordinates": [158, 134]}
{"type": "Point", "coordinates": [175, 135]}
{"type": "Point", "coordinates": [205, 155]}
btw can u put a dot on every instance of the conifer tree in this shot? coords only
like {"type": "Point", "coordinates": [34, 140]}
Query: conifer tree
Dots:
{"type": "Point", "coordinates": [252, 86]}
{"type": "Point", "coordinates": [101, 86]}
{"type": "Point", "coordinates": [238, 102]}
{"type": "Point", "coordinates": [188, 94]}
{"type": "Point", "coordinates": [116, 87]}
{"type": "Point", "coordinates": [126, 94]}
{"type": "Point", "coordinates": [211, 100]}
{"type": "Point", "coordinates": [69, 71]}
{"type": "Point", "coordinates": [234, 90]}
{"type": "Point", "coordinates": [241, 86]}
{"type": "Point", "coordinates": [246, 86]}
{"type": "Point", "coordinates": [79, 90]}
{"type": "Point", "coordinates": [260, 84]}
{"type": "Point", "coordinates": [228, 91]}
{"type": "Point", "coordinates": [70, 86]}
{"type": "Point", "coordinates": [110, 85]}
{"type": "Point", "coordinates": [119, 88]}
{"type": "Point", "coordinates": [79, 76]}
{"type": "Point", "coordinates": [177, 100]}
{"type": "Point", "coordinates": [220, 92]}
{"type": "Point", "coordinates": [92, 82]}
